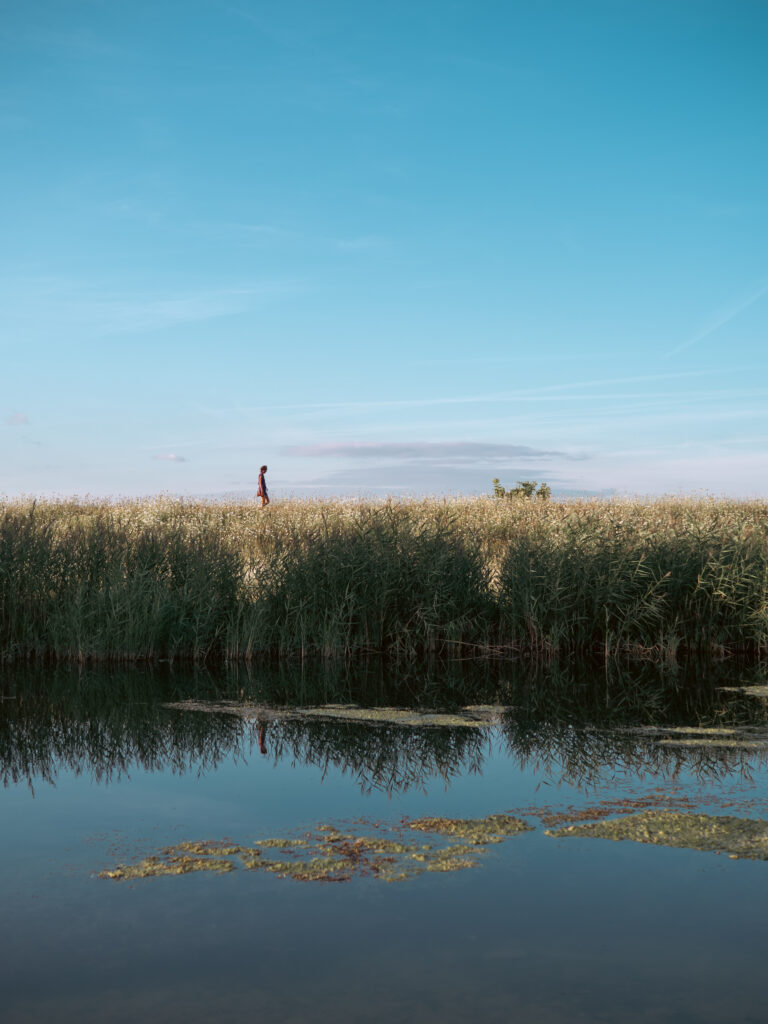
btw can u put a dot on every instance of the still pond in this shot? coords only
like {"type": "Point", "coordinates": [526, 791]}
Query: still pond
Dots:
{"type": "Point", "coordinates": [187, 849]}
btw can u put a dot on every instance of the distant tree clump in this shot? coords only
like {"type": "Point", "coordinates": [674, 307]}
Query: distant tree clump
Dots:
{"type": "Point", "coordinates": [524, 489]}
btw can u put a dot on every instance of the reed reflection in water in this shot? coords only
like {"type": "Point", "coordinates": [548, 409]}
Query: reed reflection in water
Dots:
{"type": "Point", "coordinates": [569, 725]}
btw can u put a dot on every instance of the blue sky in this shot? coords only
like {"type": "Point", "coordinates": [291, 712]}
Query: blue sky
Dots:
{"type": "Point", "coordinates": [383, 246]}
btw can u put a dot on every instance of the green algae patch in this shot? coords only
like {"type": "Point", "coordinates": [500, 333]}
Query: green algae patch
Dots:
{"type": "Point", "coordinates": [751, 691]}
{"type": "Point", "coordinates": [394, 716]}
{"type": "Point", "coordinates": [738, 837]}
{"type": "Point", "coordinates": [476, 831]}
{"type": "Point", "coordinates": [392, 846]}
{"type": "Point", "coordinates": [206, 849]}
{"type": "Point", "coordinates": [720, 743]}
{"type": "Point", "coordinates": [165, 865]}
{"type": "Point", "coordinates": [330, 855]}
{"type": "Point", "coordinates": [552, 816]}
{"type": "Point", "coordinates": [474, 716]}
{"type": "Point", "coordinates": [393, 854]}
{"type": "Point", "coordinates": [283, 844]}
{"type": "Point", "coordinates": [453, 858]}
{"type": "Point", "coordinates": [317, 869]}
{"type": "Point", "coordinates": [242, 709]}
{"type": "Point", "coordinates": [744, 737]}
{"type": "Point", "coordinates": [684, 730]}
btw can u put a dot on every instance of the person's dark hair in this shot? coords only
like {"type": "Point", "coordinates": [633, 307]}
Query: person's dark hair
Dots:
{"type": "Point", "coordinates": [263, 469]}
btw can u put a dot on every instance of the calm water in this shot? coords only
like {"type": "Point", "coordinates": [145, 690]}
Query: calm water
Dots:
{"type": "Point", "coordinates": [97, 772]}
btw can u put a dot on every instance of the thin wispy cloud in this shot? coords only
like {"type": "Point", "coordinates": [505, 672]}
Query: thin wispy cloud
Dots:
{"type": "Point", "coordinates": [427, 478]}
{"type": "Point", "coordinates": [135, 208]}
{"type": "Point", "coordinates": [516, 358]}
{"type": "Point", "coordinates": [170, 457]}
{"type": "Point", "coordinates": [720, 320]}
{"type": "Point", "coordinates": [523, 394]}
{"type": "Point", "coordinates": [17, 419]}
{"type": "Point", "coordinates": [268, 230]}
{"type": "Point", "coordinates": [106, 311]}
{"type": "Point", "coordinates": [612, 381]}
{"type": "Point", "coordinates": [361, 243]}
{"type": "Point", "coordinates": [79, 43]}
{"type": "Point", "coordinates": [128, 315]}
{"type": "Point", "coordinates": [421, 451]}
{"type": "Point", "coordinates": [263, 232]}
{"type": "Point", "coordinates": [428, 467]}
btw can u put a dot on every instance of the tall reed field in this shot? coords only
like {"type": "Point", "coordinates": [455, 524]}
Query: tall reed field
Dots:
{"type": "Point", "coordinates": [164, 580]}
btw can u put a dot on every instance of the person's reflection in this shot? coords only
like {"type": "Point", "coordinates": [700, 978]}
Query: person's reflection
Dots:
{"type": "Point", "coordinates": [262, 736]}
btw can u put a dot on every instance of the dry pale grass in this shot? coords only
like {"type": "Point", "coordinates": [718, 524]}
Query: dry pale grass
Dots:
{"type": "Point", "coordinates": [161, 577]}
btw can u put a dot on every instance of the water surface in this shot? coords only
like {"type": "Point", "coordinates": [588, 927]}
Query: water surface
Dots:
{"type": "Point", "coordinates": [97, 772]}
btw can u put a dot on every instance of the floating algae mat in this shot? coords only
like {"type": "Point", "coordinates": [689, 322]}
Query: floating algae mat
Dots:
{"type": "Point", "coordinates": [552, 816]}
{"type": "Point", "coordinates": [738, 837]}
{"type": "Point", "coordinates": [724, 742]}
{"type": "Point", "coordinates": [735, 738]}
{"type": "Point", "coordinates": [750, 691]}
{"type": "Point", "coordinates": [476, 831]}
{"type": "Point", "coordinates": [479, 716]}
{"type": "Point", "coordinates": [329, 855]}
{"type": "Point", "coordinates": [472, 716]}
{"type": "Point", "coordinates": [394, 855]}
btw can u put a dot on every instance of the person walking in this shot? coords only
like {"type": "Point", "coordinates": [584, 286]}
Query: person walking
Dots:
{"type": "Point", "coordinates": [262, 491]}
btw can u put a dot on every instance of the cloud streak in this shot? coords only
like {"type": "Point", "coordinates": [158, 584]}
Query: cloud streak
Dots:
{"type": "Point", "coordinates": [422, 451]}
{"type": "Point", "coordinates": [18, 419]}
{"type": "Point", "coordinates": [421, 478]}
{"type": "Point", "coordinates": [128, 315]}
{"type": "Point", "coordinates": [106, 311]}
{"type": "Point", "coordinates": [720, 321]}
{"type": "Point", "coordinates": [345, 243]}
{"type": "Point", "coordinates": [169, 458]}
{"type": "Point", "coordinates": [552, 392]}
